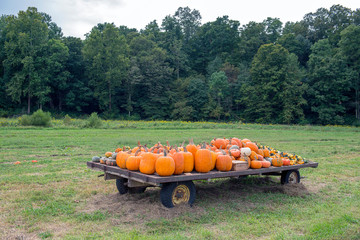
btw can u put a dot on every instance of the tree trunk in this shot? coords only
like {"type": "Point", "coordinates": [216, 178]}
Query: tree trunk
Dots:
{"type": "Point", "coordinates": [357, 105]}
{"type": "Point", "coordinates": [60, 102]}
{"type": "Point", "coordinates": [109, 96]}
{"type": "Point", "coordinates": [29, 102]}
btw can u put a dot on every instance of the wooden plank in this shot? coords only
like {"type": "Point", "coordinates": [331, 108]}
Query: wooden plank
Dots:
{"type": "Point", "coordinates": [156, 179]}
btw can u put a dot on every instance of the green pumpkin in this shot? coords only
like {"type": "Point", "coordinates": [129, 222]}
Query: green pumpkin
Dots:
{"type": "Point", "coordinates": [95, 159]}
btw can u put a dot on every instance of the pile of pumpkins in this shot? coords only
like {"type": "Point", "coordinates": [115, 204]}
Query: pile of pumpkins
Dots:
{"type": "Point", "coordinates": [166, 160]}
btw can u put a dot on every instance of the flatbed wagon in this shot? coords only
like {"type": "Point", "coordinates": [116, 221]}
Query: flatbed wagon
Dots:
{"type": "Point", "coordinates": [178, 189]}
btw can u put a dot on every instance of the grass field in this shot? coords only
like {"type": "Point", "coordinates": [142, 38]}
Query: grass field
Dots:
{"type": "Point", "coordinates": [59, 198]}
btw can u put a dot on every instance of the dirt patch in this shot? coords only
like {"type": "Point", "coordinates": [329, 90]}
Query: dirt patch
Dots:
{"type": "Point", "coordinates": [144, 207]}
{"type": "Point", "coordinates": [136, 208]}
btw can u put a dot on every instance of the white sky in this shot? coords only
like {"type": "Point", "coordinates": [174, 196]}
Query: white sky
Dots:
{"type": "Point", "coordinates": [77, 17]}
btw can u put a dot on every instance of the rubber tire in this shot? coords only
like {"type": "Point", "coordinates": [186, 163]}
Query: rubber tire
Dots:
{"type": "Point", "coordinates": [121, 187]}
{"type": "Point", "coordinates": [285, 176]}
{"type": "Point", "coordinates": [136, 190]}
{"type": "Point", "coordinates": [168, 189]}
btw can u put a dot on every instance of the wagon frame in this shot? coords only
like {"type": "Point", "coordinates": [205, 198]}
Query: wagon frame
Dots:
{"type": "Point", "coordinates": [177, 189]}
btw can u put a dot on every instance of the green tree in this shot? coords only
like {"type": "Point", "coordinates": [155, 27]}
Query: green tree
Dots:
{"type": "Point", "coordinates": [197, 96]}
{"type": "Point", "coordinates": [78, 94]}
{"type": "Point", "coordinates": [189, 21]}
{"type": "Point", "coordinates": [328, 83]}
{"type": "Point", "coordinates": [58, 57]}
{"type": "Point", "coordinates": [273, 28]}
{"type": "Point", "coordinates": [275, 75]}
{"type": "Point", "coordinates": [219, 92]}
{"type": "Point", "coordinates": [350, 47]}
{"type": "Point", "coordinates": [106, 52]}
{"type": "Point", "coordinates": [153, 79]}
{"type": "Point", "coordinates": [25, 46]}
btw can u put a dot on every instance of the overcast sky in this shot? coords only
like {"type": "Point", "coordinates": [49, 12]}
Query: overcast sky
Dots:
{"type": "Point", "coordinates": [77, 17]}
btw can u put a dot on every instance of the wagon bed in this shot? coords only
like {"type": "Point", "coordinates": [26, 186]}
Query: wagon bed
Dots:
{"type": "Point", "coordinates": [178, 189]}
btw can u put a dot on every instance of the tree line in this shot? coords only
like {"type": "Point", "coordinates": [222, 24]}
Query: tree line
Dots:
{"type": "Point", "coordinates": [267, 72]}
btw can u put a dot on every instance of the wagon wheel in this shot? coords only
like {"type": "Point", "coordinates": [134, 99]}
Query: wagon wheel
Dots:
{"type": "Point", "coordinates": [120, 185]}
{"type": "Point", "coordinates": [177, 193]}
{"type": "Point", "coordinates": [290, 177]}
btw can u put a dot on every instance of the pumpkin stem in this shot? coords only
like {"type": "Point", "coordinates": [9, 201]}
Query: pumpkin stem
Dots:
{"type": "Point", "coordinates": [139, 150]}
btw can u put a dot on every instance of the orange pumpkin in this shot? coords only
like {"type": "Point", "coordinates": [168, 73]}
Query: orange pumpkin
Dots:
{"type": "Point", "coordinates": [179, 162]}
{"type": "Point", "coordinates": [203, 160]}
{"type": "Point", "coordinates": [191, 147]}
{"type": "Point", "coordinates": [108, 154]}
{"type": "Point", "coordinates": [188, 161]}
{"type": "Point", "coordinates": [223, 162]}
{"type": "Point", "coordinates": [277, 161]}
{"type": "Point", "coordinates": [256, 164]}
{"type": "Point", "coordinates": [133, 161]}
{"type": "Point", "coordinates": [121, 159]}
{"type": "Point", "coordinates": [261, 152]}
{"type": "Point", "coordinates": [220, 143]}
{"type": "Point", "coordinates": [286, 161]}
{"type": "Point", "coordinates": [266, 152]}
{"type": "Point", "coordinates": [235, 152]}
{"type": "Point", "coordinates": [265, 164]}
{"type": "Point", "coordinates": [165, 165]}
{"type": "Point", "coordinates": [253, 156]}
{"type": "Point", "coordinates": [213, 158]}
{"type": "Point", "coordinates": [252, 146]}
{"type": "Point", "coordinates": [147, 163]}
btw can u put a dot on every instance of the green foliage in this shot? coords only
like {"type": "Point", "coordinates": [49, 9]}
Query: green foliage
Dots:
{"type": "Point", "coordinates": [38, 118]}
{"type": "Point", "coordinates": [274, 93]}
{"type": "Point", "coordinates": [186, 70]}
{"type": "Point", "coordinates": [67, 120]}
{"type": "Point", "coordinates": [94, 121]}
{"type": "Point", "coordinates": [328, 83]}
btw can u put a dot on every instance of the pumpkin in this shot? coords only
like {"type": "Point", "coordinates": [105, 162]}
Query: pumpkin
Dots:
{"type": "Point", "coordinates": [165, 165]}
{"type": "Point", "coordinates": [191, 147]}
{"type": "Point", "coordinates": [266, 152]}
{"type": "Point", "coordinates": [253, 156]}
{"type": "Point", "coordinates": [108, 154]}
{"type": "Point", "coordinates": [147, 163]}
{"type": "Point", "coordinates": [286, 161]}
{"type": "Point", "coordinates": [121, 159]}
{"type": "Point", "coordinates": [203, 160]}
{"type": "Point", "coordinates": [102, 160]}
{"type": "Point", "coordinates": [179, 162]}
{"type": "Point", "coordinates": [265, 164]}
{"type": "Point", "coordinates": [110, 162]}
{"type": "Point", "coordinates": [188, 161]}
{"type": "Point", "coordinates": [277, 161]}
{"type": "Point", "coordinates": [133, 161]}
{"type": "Point", "coordinates": [95, 159]}
{"type": "Point", "coordinates": [252, 146]}
{"type": "Point", "coordinates": [260, 158]}
{"type": "Point", "coordinates": [118, 150]}
{"type": "Point", "coordinates": [235, 152]}
{"type": "Point", "coordinates": [256, 164]}
{"type": "Point", "coordinates": [260, 152]}
{"type": "Point", "coordinates": [244, 141]}
{"type": "Point", "coordinates": [213, 158]}
{"type": "Point", "coordinates": [223, 162]}
{"type": "Point", "coordinates": [220, 143]}
{"type": "Point", "coordinates": [245, 151]}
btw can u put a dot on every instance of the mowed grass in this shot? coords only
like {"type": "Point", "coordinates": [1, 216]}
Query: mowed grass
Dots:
{"type": "Point", "coordinates": [59, 198]}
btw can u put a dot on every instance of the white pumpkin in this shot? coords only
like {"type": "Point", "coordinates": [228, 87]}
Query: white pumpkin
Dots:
{"type": "Point", "coordinates": [245, 151]}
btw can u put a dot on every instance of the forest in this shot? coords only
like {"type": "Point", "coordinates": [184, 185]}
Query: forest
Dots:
{"type": "Point", "coordinates": [304, 72]}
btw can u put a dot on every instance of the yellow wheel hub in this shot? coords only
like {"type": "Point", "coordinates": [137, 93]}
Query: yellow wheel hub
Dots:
{"type": "Point", "coordinates": [181, 194]}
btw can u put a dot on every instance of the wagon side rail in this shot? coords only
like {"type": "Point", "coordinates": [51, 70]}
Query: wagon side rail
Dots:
{"type": "Point", "coordinates": [156, 180]}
